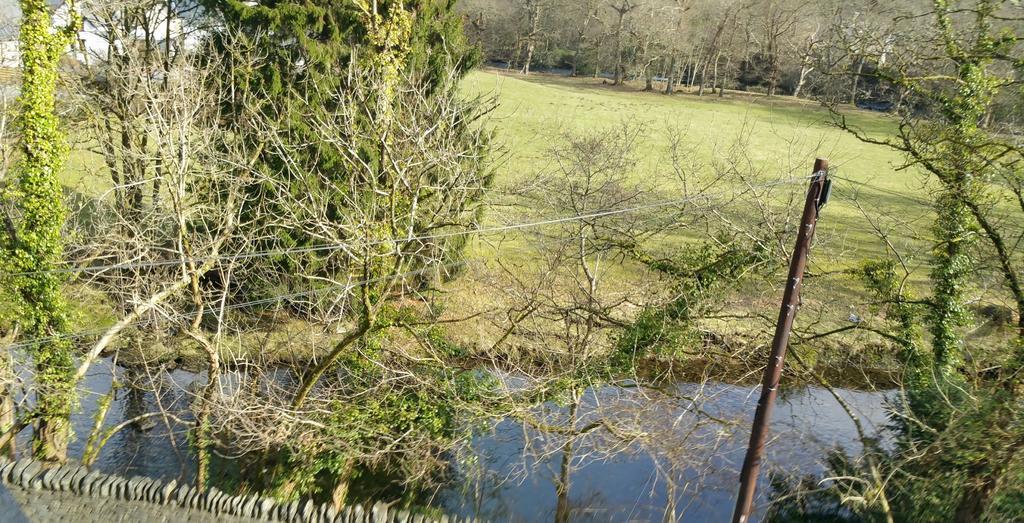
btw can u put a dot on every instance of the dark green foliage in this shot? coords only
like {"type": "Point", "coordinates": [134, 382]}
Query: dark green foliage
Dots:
{"type": "Point", "coordinates": [905, 318]}
{"type": "Point", "coordinates": [925, 482]}
{"type": "Point", "coordinates": [383, 426]}
{"type": "Point", "coordinates": [311, 56]}
{"type": "Point", "coordinates": [957, 436]}
{"type": "Point", "coordinates": [439, 47]}
{"type": "Point", "coordinates": [799, 500]}
{"type": "Point", "coordinates": [701, 273]}
{"type": "Point", "coordinates": [946, 443]}
{"type": "Point", "coordinates": [353, 105]}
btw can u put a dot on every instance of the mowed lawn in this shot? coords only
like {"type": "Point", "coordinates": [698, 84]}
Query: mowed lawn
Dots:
{"type": "Point", "coordinates": [780, 136]}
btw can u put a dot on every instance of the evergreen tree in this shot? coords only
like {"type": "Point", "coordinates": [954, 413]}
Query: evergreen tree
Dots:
{"type": "Point", "coordinates": [359, 137]}
{"type": "Point", "coordinates": [309, 51]}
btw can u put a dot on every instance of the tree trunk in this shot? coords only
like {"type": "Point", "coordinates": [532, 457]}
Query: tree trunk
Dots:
{"type": "Point", "coordinates": [713, 49]}
{"type": "Point", "coordinates": [581, 40]}
{"type": "Point", "coordinates": [531, 42]}
{"type": "Point", "coordinates": [670, 86]}
{"type": "Point", "coordinates": [7, 406]}
{"type": "Point", "coordinates": [529, 57]}
{"type": "Point", "coordinates": [562, 509]}
{"type": "Point", "coordinates": [804, 71]}
{"type": "Point", "coordinates": [340, 492]}
{"type": "Point", "coordinates": [806, 63]}
{"type": "Point", "coordinates": [714, 78]}
{"type": "Point", "coordinates": [721, 86]}
{"type": "Point", "coordinates": [703, 79]}
{"type": "Point", "coordinates": [40, 247]}
{"type": "Point", "coordinates": [984, 479]}
{"type": "Point", "coordinates": [513, 59]}
{"type": "Point", "coordinates": [773, 74]}
{"type": "Point", "coordinates": [203, 435]}
{"type": "Point", "coordinates": [159, 169]}
{"type": "Point", "coordinates": [974, 502]}
{"type": "Point", "coordinates": [618, 51]}
{"type": "Point", "coordinates": [51, 439]}
{"type": "Point", "coordinates": [856, 80]}
{"type": "Point", "coordinates": [576, 60]}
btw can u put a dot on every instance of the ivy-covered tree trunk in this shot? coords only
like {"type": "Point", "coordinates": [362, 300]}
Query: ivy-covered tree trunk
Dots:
{"type": "Point", "coordinates": [33, 246]}
{"type": "Point", "coordinates": [957, 168]}
{"type": "Point", "coordinates": [950, 276]}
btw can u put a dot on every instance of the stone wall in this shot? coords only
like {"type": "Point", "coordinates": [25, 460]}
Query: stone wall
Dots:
{"type": "Point", "coordinates": [32, 475]}
{"type": "Point", "coordinates": [48, 506]}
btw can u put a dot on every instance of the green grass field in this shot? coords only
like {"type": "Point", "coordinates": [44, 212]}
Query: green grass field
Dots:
{"type": "Point", "coordinates": [782, 136]}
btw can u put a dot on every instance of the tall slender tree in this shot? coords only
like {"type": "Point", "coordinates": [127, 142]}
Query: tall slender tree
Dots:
{"type": "Point", "coordinates": [534, 9]}
{"type": "Point", "coordinates": [33, 245]}
{"type": "Point", "coordinates": [622, 10]}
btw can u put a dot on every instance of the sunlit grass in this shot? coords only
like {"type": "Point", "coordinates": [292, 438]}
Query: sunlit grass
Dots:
{"type": "Point", "coordinates": [781, 138]}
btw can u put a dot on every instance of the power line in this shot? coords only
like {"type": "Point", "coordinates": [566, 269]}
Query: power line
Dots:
{"type": "Point", "coordinates": [890, 192]}
{"type": "Point", "coordinates": [254, 303]}
{"type": "Point", "coordinates": [920, 201]}
{"type": "Point", "coordinates": [438, 236]}
{"type": "Point", "coordinates": [274, 299]}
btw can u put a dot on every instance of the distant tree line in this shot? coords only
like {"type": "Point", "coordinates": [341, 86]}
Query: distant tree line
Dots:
{"type": "Point", "coordinates": [777, 47]}
{"type": "Point", "coordinates": [771, 46]}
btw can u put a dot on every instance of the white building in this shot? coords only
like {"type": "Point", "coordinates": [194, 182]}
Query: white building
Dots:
{"type": "Point", "coordinates": [92, 42]}
{"type": "Point", "coordinates": [9, 56]}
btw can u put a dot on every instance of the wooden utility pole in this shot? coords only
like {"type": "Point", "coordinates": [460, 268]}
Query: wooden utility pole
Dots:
{"type": "Point", "coordinates": [817, 195]}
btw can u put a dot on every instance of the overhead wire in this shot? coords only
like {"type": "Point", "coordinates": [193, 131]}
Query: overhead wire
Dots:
{"type": "Point", "coordinates": [884, 190]}
{"type": "Point", "coordinates": [489, 230]}
{"type": "Point", "coordinates": [438, 236]}
{"type": "Point", "coordinates": [920, 201]}
{"type": "Point", "coordinates": [486, 230]}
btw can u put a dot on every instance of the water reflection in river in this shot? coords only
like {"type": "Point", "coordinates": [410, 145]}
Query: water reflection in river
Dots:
{"type": "Point", "coordinates": [156, 447]}
{"type": "Point", "coordinates": [807, 423]}
{"type": "Point", "coordinates": [520, 486]}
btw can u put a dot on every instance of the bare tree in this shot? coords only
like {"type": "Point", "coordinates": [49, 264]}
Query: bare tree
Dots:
{"type": "Point", "coordinates": [406, 209]}
{"type": "Point", "coordinates": [534, 10]}
{"type": "Point", "coordinates": [807, 59]}
{"type": "Point", "coordinates": [563, 312]}
{"type": "Point", "coordinates": [8, 376]}
{"type": "Point", "coordinates": [622, 10]}
{"type": "Point", "coordinates": [588, 14]}
{"type": "Point", "coordinates": [602, 297]}
{"type": "Point", "coordinates": [777, 23]}
{"type": "Point", "coordinates": [713, 54]}
{"type": "Point", "coordinates": [675, 36]}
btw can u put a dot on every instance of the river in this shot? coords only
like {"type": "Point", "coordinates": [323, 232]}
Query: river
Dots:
{"type": "Point", "coordinates": [513, 470]}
